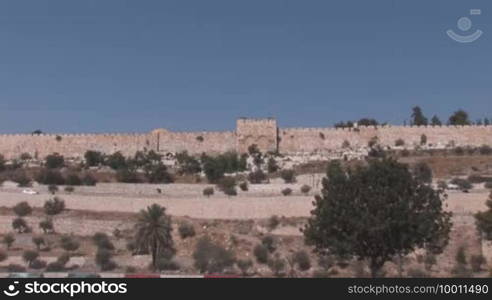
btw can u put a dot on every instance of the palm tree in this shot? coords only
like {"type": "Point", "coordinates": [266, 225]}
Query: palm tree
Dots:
{"type": "Point", "coordinates": [153, 232]}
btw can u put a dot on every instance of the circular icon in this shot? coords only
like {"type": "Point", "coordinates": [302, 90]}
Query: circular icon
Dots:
{"type": "Point", "coordinates": [464, 24]}
{"type": "Point", "coordinates": [11, 287]}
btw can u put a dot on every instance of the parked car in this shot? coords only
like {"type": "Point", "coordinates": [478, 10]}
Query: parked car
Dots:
{"type": "Point", "coordinates": [29, 192]}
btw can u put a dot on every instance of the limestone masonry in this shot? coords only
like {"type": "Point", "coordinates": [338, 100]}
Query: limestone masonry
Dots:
{"type": "Point", "coordinates": [263, 132]}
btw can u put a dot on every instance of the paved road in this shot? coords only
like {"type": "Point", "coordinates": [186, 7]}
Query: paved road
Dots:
{"type": "Point", "coordinates": [215, 207]}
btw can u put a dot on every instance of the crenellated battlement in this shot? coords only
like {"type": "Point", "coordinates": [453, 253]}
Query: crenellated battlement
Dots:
{"type": "Point", "coordinates": [262, 132]}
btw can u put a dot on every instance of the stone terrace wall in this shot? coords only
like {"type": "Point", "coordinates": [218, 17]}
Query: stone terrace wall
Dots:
{"type": "Point", "coordinates": [294, 140]}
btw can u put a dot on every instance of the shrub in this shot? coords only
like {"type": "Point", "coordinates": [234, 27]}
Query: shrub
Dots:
{"type": "Point", "coordinates": [63, 259]}
{"type": "Point", "coordinates": [488, 185]}
{"type": "Point", "coordinates": [326, 261]}
{"type": "Point", "coordinates": [212, 169]}
{"type": "Point", "coordinates": [54, 161]}
{"type": "Point", "coordinates": [273, 222]}
{"type": "Point", "coordinates": [417, 273]}
{"type": "Point", "coordinates": [73, 179]}
{"type": "Point", "coordinates": [103, 259]}
{"type": "Point", "coordinates": [22, 179]}
{"type": "Point", "coordinates": [211, 258]}
{"type": "Point", "coordinates": [22, 209]}
{"type": "Point", "coordinates": [261, 253]}
{"type": "Point", "coordinates": [55, 267]}
{"type": "Point", "coordinates": [93, 158]}
{"type": "Point", "coordinates": [25, 156]}
{"type": "Point", "coordinates": [50, 177]}
{"type": "Point", "coordinates": [102, 241]}
{"type": "Point", "coordinates": [69, 189]}
{"type": "Point", "coordinates": [244, 265]}
{"type": "Point", "coordinates": [20, 225]}
{"type": "Point", "coordinates": [429, 261]}
{"type": "Point", "coordinates": [461, 271]}
{"type": "Point", "coordinates": [88, 180]}
{"type": "Point", "coordinates": [286, 191]}
{"type": "Point", "coordinates": [47, 226]}
{"type": "Point", "coordinates": [257, 177]}
{"type": "Point", "coordinates": [165, 264]}
{"type": "Point", "coordinates": [227, 185]}
{"type": "Point", "coordinates": [38, 264]}
{"type": "Point", "coordinates": [243, 186]}
{"type": "Point", "coordinates": [53, 189]}
{"type": "Point", "coordinates": [272, 166]}
{"type": "Point", "coordinates": [208, 191]}
{"type": "Point", "coordinates": [116, 161]}
{"type": "Point", "coordinates": [54, 206]}
{"type": "Point", "coordinates": [423, 139]}
{"type": "Point", "coordinates": [69, 244]}
{"type": "Point", "coordinates": [305, 189]}
{"type": "Point", "coordinates": [3, 255]}
{"type": "Point", "coordinates": [288, 176]}
{"type": "Point", "coordinates": [399, 142]}
{"type": "Point", "coordinates": [269, 242]}
{"type": "Point", "coordinates": [476, 262]}
{"type": "Point", "coordinates": [158, 174]}
{"type": "Point", "coordinates": [461, 256]}
{"type": "Point", "coordinates": [186, 230]}
{"type": "Point", "coordinates": [277, 265]}
{"type": "Point", "coordinates": [127, 176]}
{"type": "Point", "coordinates": [15, 268]}
{"type": "Point", "coordinates": [485, 150]}
{"type": "Point", "coordinates": [302, 260]}
{"type": "Point", "coordinates": [459, 151]}
{"type": "Point", "coordinates": [8, 240]}
{"type": "Point", "coordinates": [38, 241]}
{"type": "Point", "coordinates": [187, 163]}
{"type": "Point", "coordinates": [29, 256]}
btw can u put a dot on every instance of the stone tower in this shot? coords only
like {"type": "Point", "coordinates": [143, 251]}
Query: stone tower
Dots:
{"type": "Point", "coordinates": [262, 132]}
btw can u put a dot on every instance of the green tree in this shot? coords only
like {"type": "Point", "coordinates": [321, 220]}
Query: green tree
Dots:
{"type": "Point", "coordinates": [29, 256]}
{"type": "Point", "coordinates": [68, 243]}
{"type": "Point", "coordinates": [22, 209]}
{"type": "Point", "coordinates": [55, 161]}
{"type": "Point", "coordinates": [8, 240]}
{"type": "Point", "coordinates": [187, 163]}
{"type": "Point", "coordinates": [484, 220]}
{"type": "Point", "coordinates": [418, 118]}
{"type": "Point", "coordinates": [435, 121]}
{"type": "Point", "coordinates": [157, 173]}
{"type": "Point", "coordinates": [459, 117]}
{"type": "Point", "coordinates": [93, 158]}
{"type": "Point", "coordinates": [212, 168]}
{"type": "Point", "coordinates": [54, 206]}
{"type": "Point", "coordinates": [375, 213]}
{"type": "Point", "coordinates": [116, 161]}
{"type": "Point", "coordinates": [153, 232]}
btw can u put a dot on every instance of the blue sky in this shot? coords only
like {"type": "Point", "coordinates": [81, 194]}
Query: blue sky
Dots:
{"type": "Point", "coordinates": [131, 66]}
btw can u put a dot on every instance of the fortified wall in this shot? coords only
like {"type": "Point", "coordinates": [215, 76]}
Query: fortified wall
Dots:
{"type": "Point", "coordinates": [262, 132]}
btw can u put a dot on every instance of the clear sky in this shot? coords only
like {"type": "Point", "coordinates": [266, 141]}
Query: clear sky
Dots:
{"type": "Point", "coordinates": [131, 66]}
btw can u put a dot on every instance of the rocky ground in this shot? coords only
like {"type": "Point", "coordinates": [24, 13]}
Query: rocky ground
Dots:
{"type": "Point", "coordinates": [238, 223]}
